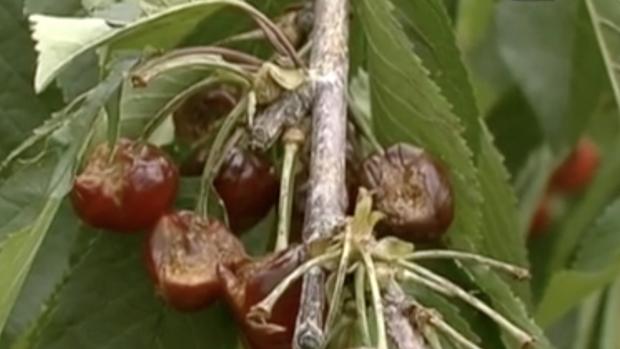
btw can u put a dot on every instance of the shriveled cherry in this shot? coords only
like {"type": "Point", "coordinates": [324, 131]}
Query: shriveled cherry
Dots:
{"type": "Point", "coordinates": [251, 283]}
{"type": "Point", "coordinates": [182, 254]}
{"type": "Point", "coordinates": [412, 189]}
{"type": "Point", "coordinates": [248, 185]}
{"type": "Point", "coordinates": [196, 115]}
{"type": "Point", "coordinates": [127, 192]}
{"type": "Point", "coordinates": [577, 171]}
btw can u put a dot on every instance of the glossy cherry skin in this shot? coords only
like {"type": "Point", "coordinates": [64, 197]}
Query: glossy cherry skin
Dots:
{"type": "Point", "coordinates": [248, 186]}
{"type": "Point", "coordinates": [182, 254]}
{"type": "Point", "coordinates": [577, 171]}
{"type": "Point", "coordinates": [127, 193]}
{"type": "Point", "coordinates": [251, 283]}
{"type": "Point", "coordinates": [197, 114]}
{"type": "Point", "coordinates": [413, 190]}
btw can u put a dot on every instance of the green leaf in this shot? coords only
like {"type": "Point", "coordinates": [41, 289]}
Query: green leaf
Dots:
{"type": "Point", "coordinates": [48, 268]}
{"type": "Point", "coordinates": [407, 106]}
{"type": "Point", "coordinates": [22, 110]}
{"type": "Point", "coordinates": [108, 301]}
{"type": "Point", "coordinates": [21, 243]}
{"type": "Point", "coordinates": [597, 264]}
{"type": "Point", "coordinates": [61, 40]}
{"type": "Point", "coordinates": [550, 49]}
{"type": "Point", "coordinates": [53, 7]}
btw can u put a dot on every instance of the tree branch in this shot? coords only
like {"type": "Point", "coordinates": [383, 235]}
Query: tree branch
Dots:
{"type": "Point", "coordinates": [329, 67]}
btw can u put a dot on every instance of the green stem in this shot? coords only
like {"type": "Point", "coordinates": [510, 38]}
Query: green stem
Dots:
{"type": "Point", "coordinates": [360, 303]}
{"type": "Point", "coordinates": [287, 192]}
{"type": "Point", "coordinates": [341, 273]}
{"type": "Point", "coordinates": [376, 300]}
{"type": "Point", "coordinates": [218, 152]}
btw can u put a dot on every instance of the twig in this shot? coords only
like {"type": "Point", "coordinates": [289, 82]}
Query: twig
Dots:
{"type": "Point", "coordinates": [287, 111]}
{"type": "Point", "coordinates": [399, 327]}
{"type": "Point", "coordinates": [326, 200]}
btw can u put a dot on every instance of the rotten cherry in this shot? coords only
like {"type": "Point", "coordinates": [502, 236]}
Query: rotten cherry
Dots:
{"type": "Point", "coordinates": [251, 283]}
{"type": "Point", "coordinates": [412, 189]}
{"type": "Point", "coordinates": [182, 254]}
{"type": "Point", "coordinates": [193, 119]}
{"type": "Point", "coordinates": [248, 186]}
{"type": "Point", "coordinates": [126, 190]}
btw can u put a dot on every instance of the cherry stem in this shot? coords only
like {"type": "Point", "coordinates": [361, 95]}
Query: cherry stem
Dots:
{"type": "Point", "coordinates": [376, 300]}
{"type": "Point", "coordinates": [360, 303]}
{"type": "Point", "coordinates": [446, 287]}
{"type": "Point", "coordinates": [516, 271]}
{"type": "Point", "coordinates": [262, 310]}
{"type": "Point", "coordinates": [341, 274]}
{"type": "Point", "coordinates": [218, 152]}
{"type": "Point", "coordinates": [293, 138]}
{"type": "Point", "coordinates": [435, 319]}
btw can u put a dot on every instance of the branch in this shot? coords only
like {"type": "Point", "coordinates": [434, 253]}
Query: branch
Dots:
{"type": "Point", "coordinates": [325, 208]}
{"type": "Point", "coordinates": [399, 327]}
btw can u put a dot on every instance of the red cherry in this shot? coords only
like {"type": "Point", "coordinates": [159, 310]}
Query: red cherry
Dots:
{"type": "Point", "coordinates": [577, 171]}
{"type": "Point", "coordinates": [541, 219]}
{"type": "Point", "coordinates": [253, 282]}
{"type": "Point", "coordinates": [193, 119]}
{"type": "Point", "coordinates": [127, 193]}
{"type": "Point", "coordinates": [182, 254]}
{"type": "Point", "coordinates": [413, 190]}
{"type": "Point", "coordinates": [248, 186]}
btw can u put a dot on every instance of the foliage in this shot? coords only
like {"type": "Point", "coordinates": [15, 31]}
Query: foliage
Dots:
{"type": "Point", "coordinates": [498, 91]}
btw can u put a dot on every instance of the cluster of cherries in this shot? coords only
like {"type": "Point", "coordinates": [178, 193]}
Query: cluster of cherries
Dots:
{"type": "Point", "coordinates": [194, 260]}
{"type": "Point", "coordinates": [572, 176]}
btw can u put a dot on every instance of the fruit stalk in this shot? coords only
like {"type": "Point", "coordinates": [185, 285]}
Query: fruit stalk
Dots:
{"type": "Point", "coordinates": [329, 66]}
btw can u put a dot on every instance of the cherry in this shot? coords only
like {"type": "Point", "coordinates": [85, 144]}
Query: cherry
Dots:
{"type": "Point", "coordinates": [127, 192]}
{"type": "Point", "coordinates": [541, 219]}
{"type": "Point", "coordinates": [412, 189]}
{"type": "Point", "coordinates": [248, 186]}
{"type": "Point", "coordinates": [251, 283]}
{"type": "Point", "coordinates": [182, 254]}
{"type": "Point", "coordinates": [577, 171]}
{"type": "Point", "coordinates": [196, 115]}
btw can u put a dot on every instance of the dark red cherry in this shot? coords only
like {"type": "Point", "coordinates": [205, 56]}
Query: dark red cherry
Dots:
{"type": "Point", "coordinates": [128, 192]}
{"type": "Point", "coordinates": [248, 185]}
{"type": "Point", "coordinates": [196, 115]}
{"type": "Point", "coordinates": [182, 254]}
{"type": "Point", "coordinates": [577, 171]}
{"type": "Point", "coordinates": [413, 190]}
{"type": "Point", "coordinates": [251, 283]}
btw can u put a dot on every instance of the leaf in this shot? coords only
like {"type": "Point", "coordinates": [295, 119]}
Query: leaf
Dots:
{"type": "Point", "coordinates": [162, 31]}
{"type": "Point", "coordinates": [20, 245]}
{"type": "Point", "coordinates": [606, 23]}
{"type": "Point", "coordinates": [407, 106]}
{"type": "Point", "coordinates": [500, 222]}
{"type": "Point", "coordinates": [53, 7]}
{"type": "Point", "coordinates": [22, 110]}
{"type": "Point", "coordinates": [597, 264]}
{"type": "Point", "coordinates": [551, 51]}
{"type": "Point", "coordinates": [47, 270]}
{"type": "Point", "coordinates": [108, 301]}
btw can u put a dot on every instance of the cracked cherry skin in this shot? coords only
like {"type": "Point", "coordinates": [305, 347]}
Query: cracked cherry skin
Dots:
{"type": "Point", "coordinates": [251, 283]}
{"type": "Point", "coordinates": [578, 170]}
{"type": "Point", "coordinates": [127, 193]}
{"type": "Point", "coordinates": [182, 254]}
{"type": "Point", "coordinates": [248, 186]}
{"type": "Point", "coordinates": [413, 190]}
